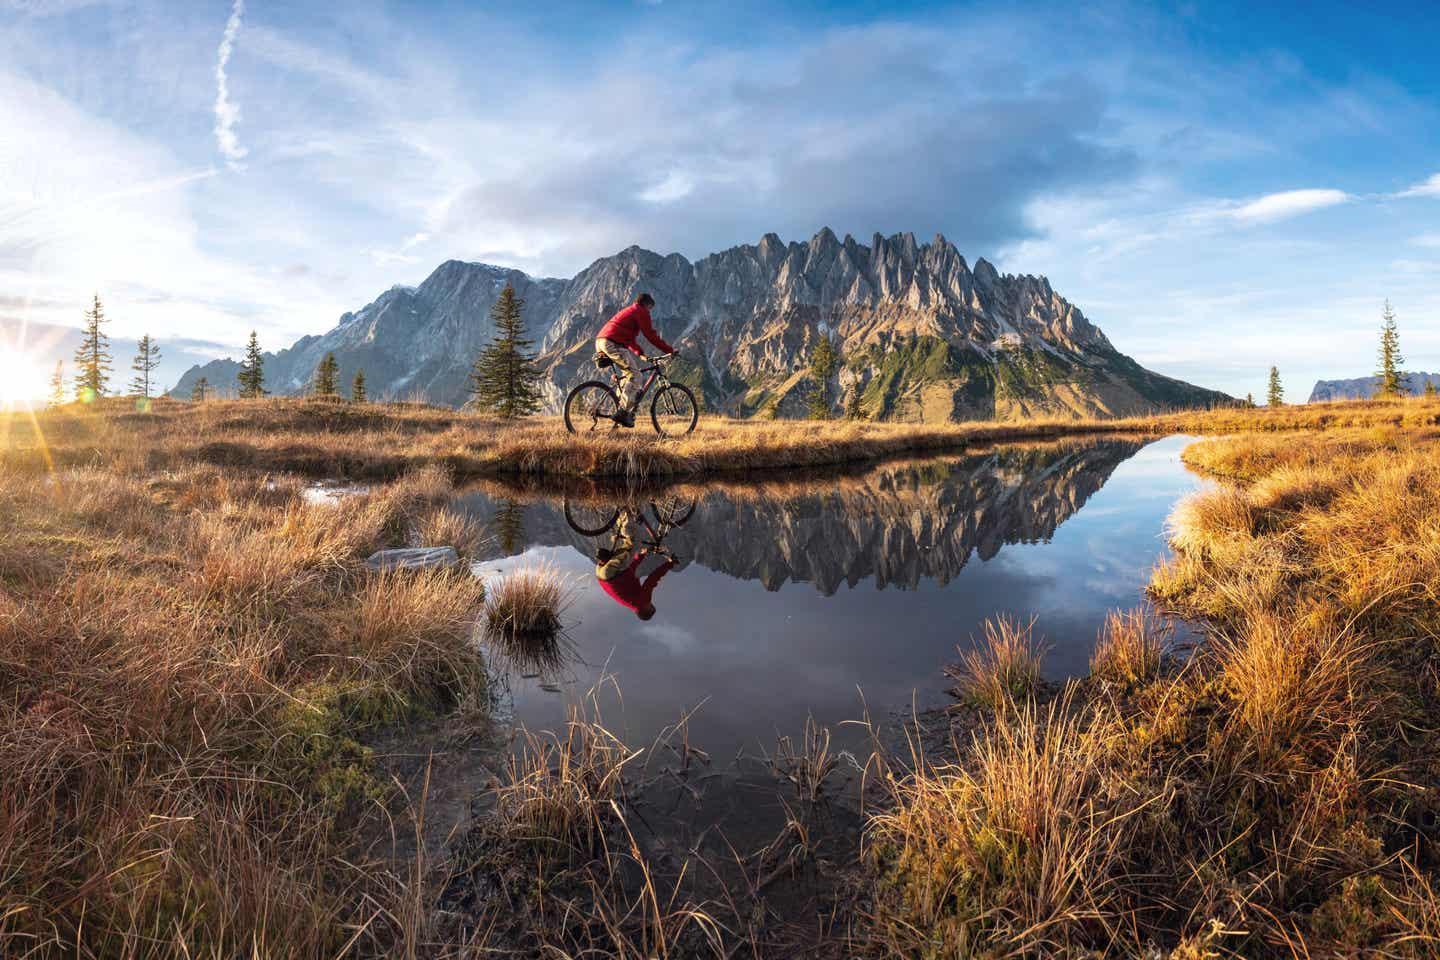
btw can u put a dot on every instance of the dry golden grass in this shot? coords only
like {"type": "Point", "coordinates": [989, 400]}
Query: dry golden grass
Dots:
{"type": "Point", "coordinates": [1130, 648]}
{"type": "Point", "coordinates": [525, 604]}
{"type": "Point", "coordinates": [1274, 796]}
{"type": "Point", "coordinates": [383, 441]}
{"type": "Point", "coordinates": [185, 658]}
{"type": "Point", "coordinates": [1002, 667]}
{"type": "Point", "coordinates": [1017, 852]}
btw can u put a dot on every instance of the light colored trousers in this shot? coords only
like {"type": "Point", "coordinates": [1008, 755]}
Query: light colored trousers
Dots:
{"type": "Point", "coordinates": [626, 364]}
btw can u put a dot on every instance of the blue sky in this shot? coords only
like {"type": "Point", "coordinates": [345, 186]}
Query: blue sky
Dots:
{"type": "Point", "coordinates": [1218, 187]}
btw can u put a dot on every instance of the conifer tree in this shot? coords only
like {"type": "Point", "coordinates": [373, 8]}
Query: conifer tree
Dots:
{"type": "Point", "coordinates": [326, 375]}
{"type": "Point", "coordinates": [823, 361]}
{"type": "Point", "coordinates": [504, 377]}
{"type": "Point", "coordinates": [856, 408]}
{"type": "Point", "coordinates": [1250, 400]}
{"type": "Point", "coordinates": [201, 390]}
{"type": "Point", "coordinates": [92, 357]}
{"type": "Point", "coordinates": [252, 371]}
{"type": "Point", "coordinates": [1389, 376]}
{"type": "Point", "coordinates": [357, 388]}
{"type": "Point", "coordinates": [57, 384]}
{"type": "Point", "coordinates": [1430, 392]}
{"type": "Point", "coordinates": [1275, 393]}
{"type": "Point", "coordinates": [509, 526]}
{"type": "Point", "coordinates": [147, 358]}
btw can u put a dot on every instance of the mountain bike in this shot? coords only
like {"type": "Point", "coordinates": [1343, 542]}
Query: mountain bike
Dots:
{"type": "Point", "coordinates": [673, 410]}
{"type": "Point", "coordinates": [669, 513]}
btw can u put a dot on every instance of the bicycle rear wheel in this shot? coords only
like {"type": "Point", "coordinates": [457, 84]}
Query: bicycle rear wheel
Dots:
{"type": "Point", "coordinates": [674, 411]}
{"type": "Point", "coordinates": [591, 406]}
{"type": "Point", "coordinates": [673, 510]}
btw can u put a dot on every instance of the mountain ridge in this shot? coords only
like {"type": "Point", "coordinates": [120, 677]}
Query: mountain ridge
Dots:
{"type": "Point", "coordinates": [922, 335]}
{"type": "Point", "coordinates": [1363, 388]}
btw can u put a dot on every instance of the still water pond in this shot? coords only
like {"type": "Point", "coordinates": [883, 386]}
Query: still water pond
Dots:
{"type": "Point", "coordinates": [787, 600]}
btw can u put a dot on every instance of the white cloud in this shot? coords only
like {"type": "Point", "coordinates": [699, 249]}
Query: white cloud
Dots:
{"type": "Point", "coordinates": [1274, 207]}
{"type": "Point", "coordinates": [1426, 188]}
{"type": "Point", "coordinates": [1426, 240]}
{"type": "Point", "coordinates": [227, 114]}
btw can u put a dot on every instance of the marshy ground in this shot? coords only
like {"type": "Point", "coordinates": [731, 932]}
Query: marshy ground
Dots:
{"type": "Point", "coordinates": [193, 659]}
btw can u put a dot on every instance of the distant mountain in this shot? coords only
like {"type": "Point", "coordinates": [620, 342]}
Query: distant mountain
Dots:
{"type": "Point", "coordinates": [1363, 388]}
{"type": "Point", "coordinates": [922, 335]}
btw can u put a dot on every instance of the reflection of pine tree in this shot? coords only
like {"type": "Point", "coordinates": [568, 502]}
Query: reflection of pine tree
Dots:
{"type": "Point", "coordinates": [509, 526]}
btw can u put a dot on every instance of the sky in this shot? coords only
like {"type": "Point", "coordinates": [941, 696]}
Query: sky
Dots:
{"type": "Point", "coordinates": [1219, 186]}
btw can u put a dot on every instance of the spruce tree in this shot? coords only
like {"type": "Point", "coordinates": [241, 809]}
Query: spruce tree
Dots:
{"type": "Point", "coordinates": [855, 410]}
{"type": "Point", "coordinates": [1391, 384]}
{"type": "Point", "coordinates": [509, 526]}
{"type": "Point", "coordinates": [1275, 393]}
{"type": "Point", "coordinates": [147, 359]}
{"type": "Point", "coordinates": [57, 384]}
{"type": "Point", "coordinates": [201, 390]}
{"type": "Point", "coordinates": [326, 375]}
{"type": "Point", "coordinates": [1250, 400]}
{"type": "Point", "coordinates": [504, 378]}
{"type": "Point", "coordinates": [357, 388]}
{"type": "Point", "coordinates": [92, 357]}
{"type": "Point", "coordinates": [252, 371]}
{"type": "Point", "coordinates": [823, 361]}
{"type": "Point", "coordinates": [1430, 393]}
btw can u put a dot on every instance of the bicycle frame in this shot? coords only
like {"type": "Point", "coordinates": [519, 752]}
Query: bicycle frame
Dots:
{"type": "Point", "coordinates": [656, 376]}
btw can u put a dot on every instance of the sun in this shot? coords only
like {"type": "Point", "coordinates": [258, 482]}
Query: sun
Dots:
{"type": "Point", "coordinates": [22, 382]}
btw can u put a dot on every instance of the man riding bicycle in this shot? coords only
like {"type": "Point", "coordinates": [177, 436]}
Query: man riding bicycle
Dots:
{"type": "Point", "coordinates": [618, 341]}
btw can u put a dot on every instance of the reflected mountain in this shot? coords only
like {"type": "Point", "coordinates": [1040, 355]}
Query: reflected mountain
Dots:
{"type": "Point", "coordinates": [894, 524]}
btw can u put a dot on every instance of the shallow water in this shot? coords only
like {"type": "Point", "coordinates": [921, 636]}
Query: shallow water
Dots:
{"type": "Point", "coordinates": [816, 599]}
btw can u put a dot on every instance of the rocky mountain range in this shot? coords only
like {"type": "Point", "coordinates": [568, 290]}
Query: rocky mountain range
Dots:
{"type": "Point", "coordinates": [1363, 388]}
{"type": "Point", "coordinates": [893, 525]}
{"type": "Point", "coordinates": [921, 334]}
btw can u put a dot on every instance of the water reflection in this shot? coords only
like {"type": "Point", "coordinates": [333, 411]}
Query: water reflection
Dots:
{"type": "Point", "coordinates": [757, 600]}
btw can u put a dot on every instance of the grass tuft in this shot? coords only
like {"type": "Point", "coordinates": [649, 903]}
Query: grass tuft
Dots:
{"type": "Point", "coordinates": [1003, 667]}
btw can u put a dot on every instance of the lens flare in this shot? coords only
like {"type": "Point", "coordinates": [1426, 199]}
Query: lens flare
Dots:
{"type": "Point", "coordinates": [22, 381]}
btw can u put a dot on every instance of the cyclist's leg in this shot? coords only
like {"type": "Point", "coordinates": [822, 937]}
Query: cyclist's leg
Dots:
{"type": "Point", "coordinates": [624, 367]}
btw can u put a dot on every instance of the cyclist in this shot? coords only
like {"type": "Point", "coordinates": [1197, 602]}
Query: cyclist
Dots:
{"type": "Point", "coordinates": [616, 570]}
{"type": "Point", "coordinates": [618, 340]}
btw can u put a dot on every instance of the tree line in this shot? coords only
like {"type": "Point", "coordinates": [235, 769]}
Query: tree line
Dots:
{"type": "Point", "coordinates": [1390, 379]}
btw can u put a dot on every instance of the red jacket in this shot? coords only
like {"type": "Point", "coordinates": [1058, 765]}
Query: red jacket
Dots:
{"type": "Point", "coordinates": [626, 326]}
{"type": "Point", "coordinates": [628, 591]}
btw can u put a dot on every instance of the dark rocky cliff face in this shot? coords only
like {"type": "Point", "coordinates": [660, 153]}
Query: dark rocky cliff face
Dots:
{"type": "Point", "coordinates": [922, 335]}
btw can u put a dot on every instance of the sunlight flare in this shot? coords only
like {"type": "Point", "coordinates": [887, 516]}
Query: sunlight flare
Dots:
{"type": "Point", "coordinates": [22, 380]}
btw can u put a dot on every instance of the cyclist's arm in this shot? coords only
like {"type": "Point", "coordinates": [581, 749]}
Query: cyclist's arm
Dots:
{"type": "Point", "coordinates": [648, 328]}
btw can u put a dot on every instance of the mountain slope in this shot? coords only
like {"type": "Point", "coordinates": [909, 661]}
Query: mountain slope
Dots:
{"type": "Point", "coordinates": [1363, 388]}
{"type": "Point", "coordinates": [921, 334]}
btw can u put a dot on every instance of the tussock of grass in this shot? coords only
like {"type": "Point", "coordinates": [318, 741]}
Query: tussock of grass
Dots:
{"type": "Point", "coordinates": [525, 604]}
{"type": "Point", "coordinates": [1131, 646]}
{"type": "Point", "coordinates": [560, 788]}
{"type": "Point", "coordinates": [450, 528]}
{"type": "Point", "coordinates": [1017, 852]}
{"type": "Point", "coordinates": [1002, 667]}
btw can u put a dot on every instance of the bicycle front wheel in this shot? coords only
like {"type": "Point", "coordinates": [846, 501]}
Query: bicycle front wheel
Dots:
{"type": "Point", "coordinates": [590, 520]}
{"type": "Point", "coordinates": [591, 406]}
{"type": "Point", "coordinates": [674, 411]}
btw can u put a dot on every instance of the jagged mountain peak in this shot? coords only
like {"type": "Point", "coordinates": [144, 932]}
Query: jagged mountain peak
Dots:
{"type": "Point", "coordinates": [921, 334]}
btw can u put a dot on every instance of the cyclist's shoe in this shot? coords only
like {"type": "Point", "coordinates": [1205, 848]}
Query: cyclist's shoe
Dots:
{"type": "Point", "coordinates": [624, 417]}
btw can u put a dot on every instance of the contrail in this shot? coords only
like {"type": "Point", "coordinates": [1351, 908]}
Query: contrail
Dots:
{"type": "Point", "coordinates": [227, 114]}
